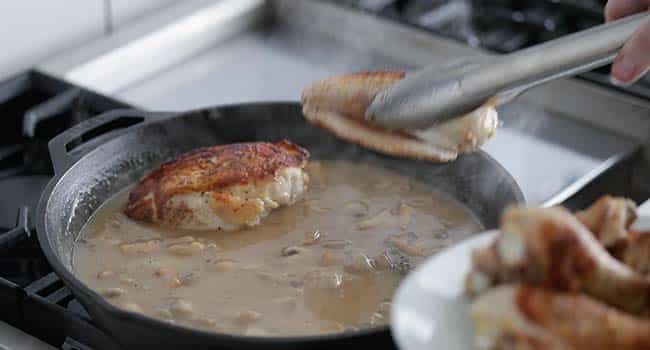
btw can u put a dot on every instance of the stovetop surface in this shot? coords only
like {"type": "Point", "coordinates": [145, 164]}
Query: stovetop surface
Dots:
{"type": "Point", "coordinates": [545, 152]}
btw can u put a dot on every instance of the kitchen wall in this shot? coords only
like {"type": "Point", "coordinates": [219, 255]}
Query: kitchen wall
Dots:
{"type": "Point", "coordinates": [33, 30]}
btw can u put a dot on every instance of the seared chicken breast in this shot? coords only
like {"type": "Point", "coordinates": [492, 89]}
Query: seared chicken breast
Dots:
{"type": "Point", "coordinates": [339, 104]}
{"type": "Point", "coordinates": [223, 187]}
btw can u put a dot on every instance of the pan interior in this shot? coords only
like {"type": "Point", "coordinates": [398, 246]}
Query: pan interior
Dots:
{"type": "Point", "coordinates": [474, 180]}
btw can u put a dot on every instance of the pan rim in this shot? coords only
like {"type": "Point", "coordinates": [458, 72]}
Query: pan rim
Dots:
{"type": "Point", "coordinates": [78, 287]}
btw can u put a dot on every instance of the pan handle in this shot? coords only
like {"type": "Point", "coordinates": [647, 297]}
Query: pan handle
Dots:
{"type": "Point", "coordinates": [67, 147]}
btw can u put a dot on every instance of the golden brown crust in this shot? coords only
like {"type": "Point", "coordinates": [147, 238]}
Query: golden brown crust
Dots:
{"type": "Point", "coordinates": [583, 322]}
{"type": "Point", "coordinates": [563, 255]}
{"type": "Point", "coordinates": [211, 169]}
{"type": "Point", "coordinates": [635, 252]}
{"type": "Point", "coordinates": [523, 341]}
{"type": "Point", "coordinates": [609, 219]}
{"type": "Point", "coordinates": [339, 104]}
{"type": "Point", "coordinates": [393, 143]}
{"type": "Point", "coordinates": [569, 262]}
{"type": "Point", "coordinates": [575, 291]}
{"type": "Point", "coordinates": [501, 324]}
{"type": "Point", "coordinates": [559, 258]}
{"type": "Point", "coordinates": [352, 102]}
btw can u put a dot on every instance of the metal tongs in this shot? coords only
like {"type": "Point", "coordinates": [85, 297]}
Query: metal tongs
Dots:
{"type": "Point", "coordinates": [433, 94]}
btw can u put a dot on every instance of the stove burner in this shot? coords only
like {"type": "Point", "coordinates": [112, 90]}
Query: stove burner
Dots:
{"type": "Point", "coordinates": [24, 191]}
{"type": "Point", "coordinates": [19, 233]}
{"type": "Point", "coordinates": [35, 108]}
{"type": "Point", "coordinates": [500, 25]}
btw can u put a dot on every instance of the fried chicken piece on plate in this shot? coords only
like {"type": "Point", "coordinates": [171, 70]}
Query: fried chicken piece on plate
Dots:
{"type": "Point", "coordinates": [532, 318]}
{"type": "Point", "coordinates": [549, 247]}
{"type": "Point", "coordinates": [615, 222]}
{"type": "Point", "coordinates": [609, 219]}
{"type": "Point", "coordinates": [635, 252]}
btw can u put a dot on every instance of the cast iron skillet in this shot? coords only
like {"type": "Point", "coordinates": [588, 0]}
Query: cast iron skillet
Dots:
{"type": "Point", "coordinates": [101, 165]}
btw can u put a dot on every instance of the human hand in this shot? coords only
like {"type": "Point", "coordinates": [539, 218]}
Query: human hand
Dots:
{"type": "Point", "coordinates": [633, 61]}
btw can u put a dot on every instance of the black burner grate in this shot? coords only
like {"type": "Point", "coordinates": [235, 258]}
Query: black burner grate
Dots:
{"type": "Point", "coordinates": [35, 300]}
{"type": "Point", "coordinates": [36, 107]}
{"type": "Point", "coordinates": [500, 25]}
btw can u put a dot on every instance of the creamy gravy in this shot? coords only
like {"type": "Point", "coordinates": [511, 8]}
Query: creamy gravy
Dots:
{"type": "Point", "coordinates": [329, 263]}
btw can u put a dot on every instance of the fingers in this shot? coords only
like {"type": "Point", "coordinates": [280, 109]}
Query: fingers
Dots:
{"type": "Point", "coordinates": [616, 9]}
{"type": "Point", "coordinates": [633, 61]}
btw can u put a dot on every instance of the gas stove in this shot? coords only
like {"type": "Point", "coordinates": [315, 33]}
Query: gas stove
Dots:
{"type": "Point", "coordinates": [567, 142]}
{"type": "Point", "coordinates": [501, 26]}
{"type": "Point", "coordinates": [35, 107]}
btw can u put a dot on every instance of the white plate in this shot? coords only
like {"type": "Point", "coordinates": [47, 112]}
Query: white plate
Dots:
{"type": "Point", "coordinates": [430, 310]}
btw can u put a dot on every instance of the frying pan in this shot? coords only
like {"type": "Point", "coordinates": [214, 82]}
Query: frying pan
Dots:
{"type": "Point", "coordinates": [96, 158]}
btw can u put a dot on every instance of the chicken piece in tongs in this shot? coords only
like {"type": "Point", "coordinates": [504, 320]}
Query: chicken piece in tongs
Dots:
{"type": "Point", "coordinates": [339, 105]}
{"type": "Point", "coordinates": [437, 97]}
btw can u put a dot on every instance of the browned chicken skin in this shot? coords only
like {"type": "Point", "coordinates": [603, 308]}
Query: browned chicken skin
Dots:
{"type": "Point", "coordinates": [586, 275]}
{"type": "Point", "coordinates": [338, 104]}
{"type": "Point", "coordinates": [556, 251]}
{"type": "Point", "coordinates": [609, 219]}
{"type": "Point", "coordinates": [635, 252]}
{"type": "Point", "coordinates": [221, 187]}
{"type": "Point", "coordinates": [527, 317]}
{"type": "Point", "coordinates": [489, 269]}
